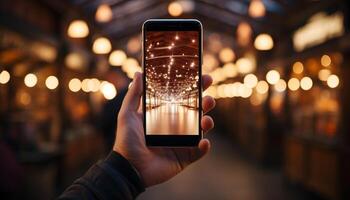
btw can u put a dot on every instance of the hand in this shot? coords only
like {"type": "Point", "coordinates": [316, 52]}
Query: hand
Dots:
{"type": "Point", "coordinates": [155, 165]}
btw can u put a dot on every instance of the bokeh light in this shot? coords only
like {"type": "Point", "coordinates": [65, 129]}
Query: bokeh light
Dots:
{"type": "Point", "coordinates": [78, 29]}
{"type": "Point", "coordinates": [333, 81]}
{"type": "Point", "coordinates": [30, 80]}
{"type": "Point", "coordinates": [74, 85]}
{"type": "Point", "coordinates": [51, 82]}
{"type": "Point", "coordinates": [272, 77]}
{"type": "Point", "coordinates": [306, 83]}
{"type": "Point", "coordinates": [102, 45]}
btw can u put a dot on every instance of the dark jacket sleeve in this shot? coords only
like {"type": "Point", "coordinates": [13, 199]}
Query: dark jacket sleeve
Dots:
{"type": "Point", "coordinates": [113, 178]}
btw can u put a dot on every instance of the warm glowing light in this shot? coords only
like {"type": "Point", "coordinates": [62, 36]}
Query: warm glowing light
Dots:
{"type": "Point", "coordinates": [101, 46]}
{"type": "Point", "coordinates": [298, 67]}
{"type": "Point", "coordinates": [129, 64]}
{"type": "Point", "coordinates": [244, 33]}
{"type": "Point", "coordinates": [175, 9]}
{"type": "Point", "coordinates": [256, 8]}
{"type": "Point", "coordinates": [94, 85]}
{"type": "Point", "coordinates": [134, 45]}
{"type": "Point", "coordinates": [293, 84]}
{"type": "Point", "coordinates": [4, 77]}
{"type": "Point", "coordinates": [209, 62]}
{"type": "Point", "coordinates": [250, 80]}
{"type": "Point", "coordinates": [245, 65]}
{"type": "Point", "coordinates": [244, 91]}
{"type": "Point", "coordinates": [104, 13]}
{"type": "Point", "coordinates": [117, 58]}
{"type": "Point", "coordinates": [108, 90]}
{"type": "Point", "coordinates": [230, 70]}
{"type": "Point", "coordinates": [263, 42]}
{"type": "Point", "coordinates": [75, 61]}
{"type": "Point", "coordinates": [280, 86]}
{"type": "Point", "coordinates": [51, 82]}
{"type": "Point", "coordinates": [30, 80]}
{"type": "Point", "coordinates": [74, 85]}
{"type": "Point", "coordinates": [333, 81]}
{"type": "Point", "coordinates": [306, 83]}
{"type": "Point", "coordinates": [326, 61]}
{"type": "Point", "coordinates": [78, 29]}
{"type": "Point", "coordinates": [323, 74]}
{"type": "Point", "coordinates": [226, 55]}
{"type": "Point", "coordinates": [262, 87]}
{"type": "Point", "coordinates": [272, 77]}
{"type": "Point", "coordinates": [85, 85]}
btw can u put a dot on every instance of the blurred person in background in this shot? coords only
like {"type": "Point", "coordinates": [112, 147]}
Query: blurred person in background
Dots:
{"type": "Point", "coordinates": [132, 166]}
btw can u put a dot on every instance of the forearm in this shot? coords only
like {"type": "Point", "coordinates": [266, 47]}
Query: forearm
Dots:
{"type": "Point", "coordinates": [113, 178]}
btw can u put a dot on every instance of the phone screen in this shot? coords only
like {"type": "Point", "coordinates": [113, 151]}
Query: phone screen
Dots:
{"type": "Point", "coordinates": [172, 70]}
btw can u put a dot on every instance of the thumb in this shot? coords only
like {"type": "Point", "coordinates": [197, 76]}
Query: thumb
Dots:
{"type": "Point", "coordinates": [131, 101]}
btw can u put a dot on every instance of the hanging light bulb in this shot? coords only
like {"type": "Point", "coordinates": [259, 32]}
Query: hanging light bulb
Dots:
{"type": "Point", "coordinates": [263, 42]}
{"type": "Point", "coordinates": [117, 58]}
{"type": "Point", "coordinates": [175, 9]}
{"type": "Point", "coordinates": [244, 33]}
{"type": "Point", "coordinates": [101, 46]}
{"type": "Point", "coordinates": [226, 55]}
{"type": "Point", "coordinates": [256, 9]}
{"type": "Point", "coordinates": [78, 29]}
{"type": "Point", "coordinates": [104, 13]}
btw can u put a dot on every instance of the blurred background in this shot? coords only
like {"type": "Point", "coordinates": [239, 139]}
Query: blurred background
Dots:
{"type": "Point", "coordinates": [280, 70]}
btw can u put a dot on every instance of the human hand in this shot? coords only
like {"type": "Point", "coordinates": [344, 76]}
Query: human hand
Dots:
{"type": "Point", "coordinates": [156, 165]}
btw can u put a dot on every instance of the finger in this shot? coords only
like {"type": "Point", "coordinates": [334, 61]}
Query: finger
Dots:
{"type": "Point", "coordinates": [207, 123]}
{"type": "Point", "coordinates": [208, 103]}
{"type": "Point", "coordinates": [206, 81]}
{"type": "Point", "coordinates": [131, 101]}
{"type": "Point", "coordinates": [202, 150]}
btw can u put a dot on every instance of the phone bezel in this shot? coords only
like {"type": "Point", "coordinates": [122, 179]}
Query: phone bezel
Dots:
{"type": "Point", "coordinates": [173, 25]}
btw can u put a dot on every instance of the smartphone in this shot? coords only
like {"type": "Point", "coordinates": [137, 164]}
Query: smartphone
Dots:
{"type": "Point", "coordinates": [172, 96]}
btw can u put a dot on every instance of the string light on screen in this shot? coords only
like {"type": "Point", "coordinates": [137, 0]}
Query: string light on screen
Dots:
{"type": "Point", "coordinates": [4, 77]}
{"type": "Point", "coordinates": [78, 29]}
{"type": "Point", "coordinates": [104, 13]}
{"type": "Point", "coordinates": [263, 42]}
{"type": "Point", "coordinates": [102, 45]}
{"type": "Point", "coordinates": [117, 58]}
{"type": "Point", "coordinates": [30, 80]}
{"type": "Point", "coordinates": [51, 82]}
{"type": "Point", "coordinates": [272, 77]}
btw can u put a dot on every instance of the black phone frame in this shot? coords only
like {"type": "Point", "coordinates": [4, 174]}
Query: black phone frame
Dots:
{"type": "Point", "coordinates": [173, 25]}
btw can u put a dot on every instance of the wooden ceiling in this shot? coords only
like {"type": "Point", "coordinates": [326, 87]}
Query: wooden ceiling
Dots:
{"type": "Point", "coordinates": [172, 60]}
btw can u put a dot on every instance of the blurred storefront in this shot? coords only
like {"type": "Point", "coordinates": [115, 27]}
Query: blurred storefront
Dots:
{"type": "Point", "coordinates": [280, 71]}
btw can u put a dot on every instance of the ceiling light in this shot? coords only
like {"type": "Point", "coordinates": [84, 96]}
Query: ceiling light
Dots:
{"type": "Point", "coordinates": [101, 46]}
{"type": "Point", "coordinates": [263, 42]}
{"type": "Point", "coordinates": [104, 13]}
{"type": "Point", "coordinates": [78, 29]}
